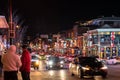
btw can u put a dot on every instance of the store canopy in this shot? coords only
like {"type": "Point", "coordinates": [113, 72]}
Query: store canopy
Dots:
{"type": "Point", "coordinates": [3, 22]}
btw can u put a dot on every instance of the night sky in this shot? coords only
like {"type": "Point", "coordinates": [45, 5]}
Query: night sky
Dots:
{"type": "Point", "coordinates": [52, 16]}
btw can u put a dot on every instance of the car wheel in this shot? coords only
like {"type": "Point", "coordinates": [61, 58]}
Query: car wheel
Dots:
{"type": "Point", "coordinates": [104, 76]}
{"type": "Point", "coordinates": [72, 74]}
{"type": "Point", "coordinates": [47, 68]}
{"type": "Point", "coordinates": [80, 75]}
{"type": "Point", "coordinates": [37, 68]}
{"type": "Point", "coordinates": [34, 68]}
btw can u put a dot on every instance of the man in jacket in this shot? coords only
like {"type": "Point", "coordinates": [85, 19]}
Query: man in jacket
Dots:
{"type": "Point", "coordinates": [11, 63]}
{"type": "Point", "coordinates": [26, 63]}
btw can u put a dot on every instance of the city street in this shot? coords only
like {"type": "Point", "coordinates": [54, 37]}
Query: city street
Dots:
{"type": "Point", "coordinates": [43, 37]}
{"type": "Point", "coordinates": [63, 74]}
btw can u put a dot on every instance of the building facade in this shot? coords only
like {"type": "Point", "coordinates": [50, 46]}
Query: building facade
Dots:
{"type": "Point", "coordinates": [104, 42]}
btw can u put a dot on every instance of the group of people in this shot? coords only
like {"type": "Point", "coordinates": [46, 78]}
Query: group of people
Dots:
{"type": "Point", "coordinates": [12, 63]}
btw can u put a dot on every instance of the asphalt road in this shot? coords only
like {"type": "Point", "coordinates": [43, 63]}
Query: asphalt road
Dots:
{"type": "Point", "coordinates": [63, 74]}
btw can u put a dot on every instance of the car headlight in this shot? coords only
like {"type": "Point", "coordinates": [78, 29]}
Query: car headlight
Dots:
{"type": "Point", "coordinates": [85, 68]}
{"type": "Point", "coordinates": [104, 67]}
{"type": "Point", "coordinates": [37, 62]}
{"type": "Point", "coordinates": [61, 62]}
{"type": "Point", "coordinates": [50, 62]}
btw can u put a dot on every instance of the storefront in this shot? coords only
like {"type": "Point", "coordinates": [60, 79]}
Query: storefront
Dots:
{"type": "Point", "coordinates": [104, 42]}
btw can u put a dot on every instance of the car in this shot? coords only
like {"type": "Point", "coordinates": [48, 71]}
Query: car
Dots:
{"type": "Point", "coordinates": [35, 62]}
{"type": "Point", "coordinates": [112, 61]}
{"type": "Point", "coordinates": [54, 62]}
{"type": "Point", "coordinates": [86, 67]}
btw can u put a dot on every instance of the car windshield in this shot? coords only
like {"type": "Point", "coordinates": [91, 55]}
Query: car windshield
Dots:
{"type": "Point", "coordinates": [88, 61]}
{"type": "Point", "coordinates": [54, 58]}
{"type": "Point", "coordinates": [34, 57]}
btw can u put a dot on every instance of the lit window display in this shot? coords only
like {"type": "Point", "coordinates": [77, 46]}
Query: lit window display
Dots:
{"type": "Point", "coordinates": [95, 39]}
{"type": "Point", "coordinates": [118, 51]}
{"type": "Point", "coordinates": [108, 51]}
{"type": "Point", "coordinates": [114, 51]}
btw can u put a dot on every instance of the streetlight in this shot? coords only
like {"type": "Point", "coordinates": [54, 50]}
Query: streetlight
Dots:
{"type": "Point", "coordinates": [17, 27]}
{"type": "Point", "coordinates": [17, 34]}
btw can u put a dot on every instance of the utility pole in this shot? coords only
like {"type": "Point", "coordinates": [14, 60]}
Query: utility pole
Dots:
{"type": "Point", "coordinates": [12, 28]}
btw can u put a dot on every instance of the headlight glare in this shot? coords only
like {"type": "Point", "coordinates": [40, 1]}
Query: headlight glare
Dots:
{"type": "Point", "coordinates": [50, 62]}
{"type": "Point", "coordinates": [61, 62]}
{"type": "Point", "coordinates": [85, 68]}
{"type": "Point", "coordinates": [37, 62]}
{"type": "Point", "coordinates": [104, 67]}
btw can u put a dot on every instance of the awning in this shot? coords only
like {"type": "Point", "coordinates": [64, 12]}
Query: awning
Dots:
{"type": "Point", "coordinates": [3, 22]}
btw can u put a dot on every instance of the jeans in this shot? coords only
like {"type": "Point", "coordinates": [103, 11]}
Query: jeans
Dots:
{"type": "Point", "coordinates": [10, 75]}
{"type": "Point", "coordinates": [25, 75]}
{"type": "Point", "coordinates": [0, 72]}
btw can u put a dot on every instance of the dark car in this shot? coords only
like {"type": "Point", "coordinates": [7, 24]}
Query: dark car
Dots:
{"type": "Point", "coordinates": [35, 61]}
{"type": "Point", "coordinates": [54, 62]}
{"type": "Point", "coordinates": [86, 67]}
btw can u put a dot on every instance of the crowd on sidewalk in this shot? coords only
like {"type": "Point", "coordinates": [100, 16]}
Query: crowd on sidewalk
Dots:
{"type": "Point", "coordinates": [11, 63]}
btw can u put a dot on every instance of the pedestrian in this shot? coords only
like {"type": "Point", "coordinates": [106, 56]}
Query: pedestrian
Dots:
{"type": "Point", "coordinates": [26, 63]}
{"type": "Point", "coordinates": [11, 63]}
{"type": "Point", "coordinates": [1, 65]}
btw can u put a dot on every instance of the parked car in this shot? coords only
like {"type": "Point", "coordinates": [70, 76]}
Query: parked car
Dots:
{"type": "Point", "coordinates": [35, 61]}
{"type": "Point", "coordinates": [54, 62]}
{"type": "Point", "coordinates": [85, 67]}
{"type": "Point", "coordinates": [113, 61]}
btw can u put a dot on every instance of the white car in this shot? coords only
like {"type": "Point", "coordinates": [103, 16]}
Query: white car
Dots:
{"type": "Point", "coordinates": [111, 61]}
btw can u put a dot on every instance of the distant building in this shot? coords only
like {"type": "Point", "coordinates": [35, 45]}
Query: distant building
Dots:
{"type": "Point", "coordinates": [112, 21]}
{"type": "Point", "coordinates": [103, 42]}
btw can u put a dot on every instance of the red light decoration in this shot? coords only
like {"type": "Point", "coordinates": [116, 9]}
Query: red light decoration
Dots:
{"type": "Point", "coordinates": [112, 44]}
{"type": "Point", "coordinates": [112, 35]}
{"type": "Point", "coordinates": [112, 38]}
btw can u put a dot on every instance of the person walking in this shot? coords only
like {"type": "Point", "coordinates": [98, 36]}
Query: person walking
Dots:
{"type": "Point", "coordinates": [26, 63]}
{"type": "Point", "coordinates": [11, 63]}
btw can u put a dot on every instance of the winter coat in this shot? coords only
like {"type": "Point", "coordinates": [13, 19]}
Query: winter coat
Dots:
{"type": "Point", "coordinates": [26, 61]}
{"type": "Point", "coordinates": [10, 60]}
